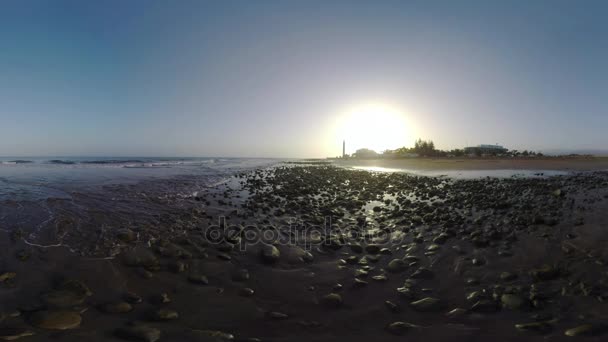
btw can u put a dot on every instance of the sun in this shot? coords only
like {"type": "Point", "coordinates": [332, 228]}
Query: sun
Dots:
{"type": "Point", "coordinates": [375, 126]}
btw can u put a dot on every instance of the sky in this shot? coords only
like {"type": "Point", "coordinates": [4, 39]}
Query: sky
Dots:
{"type": "Point", "coordinates": [277, 78]}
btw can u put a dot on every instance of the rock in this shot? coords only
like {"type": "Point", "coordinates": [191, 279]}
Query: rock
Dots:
{"type": "Point", "coordinates": [539, 327]}
{"type": "Point", "coordinates": [399, 328]}
{"type": "Point", "coordinates": [241, 275]}
{"type": "Point", "coordinates": [7, 276]}
{"type": "Point", "coordinates": [269, 254]}
{"type": "Point", "coordinates": [162, 298]}
{"type": "Point", "coordinates": [126, 235]}
{"type": "Point", "coordinates": [507, 276]}
{"type": "Point", "coordinates": [215, 336]}
{"type": "Point", "coordinates": [428, 304]}
{"type": "Point", "coordinates": [356, 248]}
{"type": "Point", "coordinates": [478, 261]}
{"type": "Point", "coordinates": [423, 273]}
{"type": "Point", "coordinates": [140, 333]}
{"type": "Point", "coordinates": [198, 279]}
{"type": "Point", "coordinates": [132, 298]}
{"type": "Point", "coordinates": [458, 312]}
{"type": "Point", "coordinates": [55, 319]}
{"type": "Point", "coordinates": [177, 266]}
{"type": "Point", "coordinates": [392, 306]}
{"type": "Point", "coordinates": [396, 265]}
{"type": "Point", "coordinates": [139, 257]}
{"type": "Point", "coordinates": [485, 306]}
{"type": "Point", "coordinates": [545, 273]}
{"type": "Point", "coordinates": [512, 301]}
{"type": "Point", "coordinates": [62, 299]}
{"type": "Point", "coordinates": [332, 300]}
{"type": "Point", "coordinates": [277, 315]}
{"type": "Point", "coordinates": [587, 330]}
{"type": "Point", "coordinates": [76, 286]}
{"type": "Point", "coordinates": [14, 333]}
{"type": "Point", "coordinates": [118, 307]}
{"type": "Point", "coordinates": [246, 292]}
{"type": "Point", "coordinates": [164, 315]}
{"type": "Point", "coordinates": [372, 249]}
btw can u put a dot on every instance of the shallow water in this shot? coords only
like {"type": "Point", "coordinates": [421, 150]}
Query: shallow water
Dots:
{"type": "Point", "coordinates": [470, 174]}
{"type": "Point", "coordinates": [56, 177]}
{"type": "Point", "coordinates": [54, 200]}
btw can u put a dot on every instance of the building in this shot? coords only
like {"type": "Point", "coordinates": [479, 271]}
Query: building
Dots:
{"type": "Point", "coordinates": [485, 149]}
{"type": "Point", "coordinates": [343, 148]}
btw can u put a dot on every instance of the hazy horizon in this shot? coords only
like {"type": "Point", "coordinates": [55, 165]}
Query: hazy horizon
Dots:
{"type": "Point", "coordinates": [280, 79]}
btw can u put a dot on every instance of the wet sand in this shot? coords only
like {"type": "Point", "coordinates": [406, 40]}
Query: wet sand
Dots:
{"type": "Point", "coordinates": [437, 164]}
{"type": "Point", "coordinates": [373, 256]}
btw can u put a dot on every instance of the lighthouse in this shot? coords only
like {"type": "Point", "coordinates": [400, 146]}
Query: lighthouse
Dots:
{"type": "Point", "coordinates": [343, 148]}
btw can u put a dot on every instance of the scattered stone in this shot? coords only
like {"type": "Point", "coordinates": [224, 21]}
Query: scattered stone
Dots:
{"type": "Point", "coordinates": [56, 320]}
{"type": "Point", "coordinates": [277, 315]}
{"type": "Point", "coordinates": [485, 306]}
{"type": "Point", "coordinates": [587, 330]}
{"type": "Point", "coordinates": [241, 275]}
{"type": "Point", "coordinates": [126, 235]}
{"type": "Point", "coordinates": [7, 276]}
{"type": "Point", "coordinates": [332, 300]}
{"type": "Point", "coordinates": [392, 306]}
{"type": "Point", "coordinates": [269, 254]}
{"type": "Point", "coordinates": [400, 328]}
{"type": "Point", "coordinates": [458, 312]}
{"type": "Point", "coordinates": [62, 299]}
{"type": "Point", "coordinates": [512, 301]}
{"type": "Point", "coordinates": [164, 315]}
{"type": "Point", "coordinates": [396, 265]}
{"type": "Point", "coordinates": [198, 279]}
{"type": "Point", "coordinates": [428, 304]}
{"type": "Point", "coordinates": [115, 308]}
{"type": "Point", "coordinates": [246, 292]}
{"type": "Point", "coordinates": [508, 276]}
{"type": "Point", "coordinates": [132, 298]}
{"type": "Point", "coordinates": [14, 333]}
{"type": "Point", "coordinates": [545, 273]}
{"type": "Point", "coordinates": [423, 273]}
{"type": "Point", "coordinates": [139, 257]}
{"type": "Point", "coordinates": [140, 333]}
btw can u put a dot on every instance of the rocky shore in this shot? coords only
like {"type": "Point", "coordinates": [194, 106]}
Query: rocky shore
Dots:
{"type": "Point", "coordinates": [322, 253]}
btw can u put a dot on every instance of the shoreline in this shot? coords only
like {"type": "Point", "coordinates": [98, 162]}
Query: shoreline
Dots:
{"type": "Point", "coordinates": [409, 256]}
{"type": "Point", "coordinates": [469, 164]}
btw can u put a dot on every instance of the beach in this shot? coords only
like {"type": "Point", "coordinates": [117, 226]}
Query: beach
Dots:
{"type": "Point", "coordinates": [437, 164]}
{"type": "Point", "coordinates": [299, 252]}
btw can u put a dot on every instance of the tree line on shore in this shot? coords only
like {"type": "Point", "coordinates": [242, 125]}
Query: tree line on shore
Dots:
{"type": "Point", "coordinates": [426, 148]}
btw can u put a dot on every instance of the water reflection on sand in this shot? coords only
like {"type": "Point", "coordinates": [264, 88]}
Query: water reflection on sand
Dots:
{"type": "Point", "coordinates": [470, 174]}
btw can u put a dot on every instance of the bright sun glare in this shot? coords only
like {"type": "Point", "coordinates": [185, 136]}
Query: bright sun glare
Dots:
{"type": "Point", "coordinates": [374, 126]}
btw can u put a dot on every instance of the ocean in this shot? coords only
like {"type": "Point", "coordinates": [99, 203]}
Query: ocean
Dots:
{"type": "Point", "coordinates": [52, 200]}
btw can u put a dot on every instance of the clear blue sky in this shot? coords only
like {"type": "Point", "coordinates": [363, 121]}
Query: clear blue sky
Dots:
{"type": "Point", "coordinates": [268, 78]}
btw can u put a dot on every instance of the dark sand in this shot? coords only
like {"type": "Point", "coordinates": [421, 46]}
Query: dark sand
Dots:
{"type": "Point", "coordinates": [502, 252]}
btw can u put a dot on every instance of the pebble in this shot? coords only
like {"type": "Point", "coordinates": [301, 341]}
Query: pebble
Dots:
{"type": "Point", "coordinates": [428, 304]}
{"type": "Point", "coordinates": [198, 279]}
{"type": "Point", "coordinates": [269, 254]}
{"type": "Point", "coordinates": [400, 328]}
{"type": "Point", "coordinates": [332, 300]}
{"type": "Point", "coordinates": [140, 333]}
{"type": "Point", "coordinates": [14, 333]}
{"type": "Point", "coordinates": [164, 315]}
{"type": "Point", "coordinates": [118, 307]}
{"type": "Point", "coordinates": [246, 292]}
{"type": "Point", "coordinates": [56, 319]}
{"type": "Point", "coordinates": [396, 265]}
